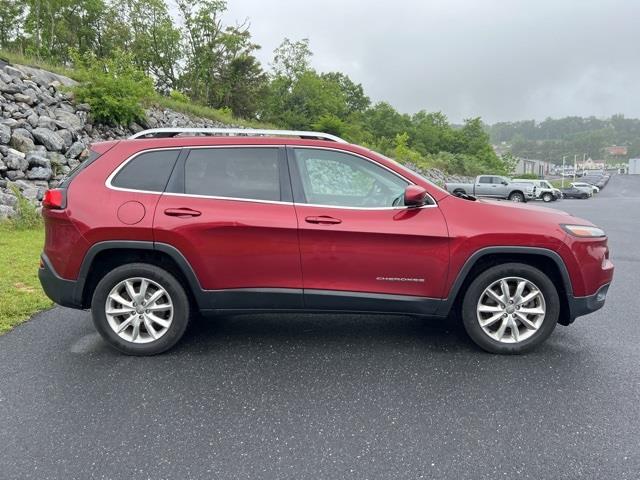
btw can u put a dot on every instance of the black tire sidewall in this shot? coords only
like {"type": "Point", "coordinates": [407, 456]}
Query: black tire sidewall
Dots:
{"type": "Point", "coordinates": [181, 312]}
{"type": "Point", "coordinates": [483, 280]}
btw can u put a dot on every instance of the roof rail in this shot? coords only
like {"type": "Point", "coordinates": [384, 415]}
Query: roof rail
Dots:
{"type": "Point", "coordinates": [249, 132]}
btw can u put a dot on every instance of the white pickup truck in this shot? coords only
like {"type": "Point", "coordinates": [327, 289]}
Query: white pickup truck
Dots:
{"type": "Point", "coordinates": [494, 186]}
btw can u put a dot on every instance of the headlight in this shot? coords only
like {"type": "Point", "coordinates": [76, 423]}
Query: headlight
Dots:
{"type": "Point", "coordinates": [583, 231]}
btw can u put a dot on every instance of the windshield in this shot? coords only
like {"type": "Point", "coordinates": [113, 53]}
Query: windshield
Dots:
{"type": "Point", "coordinates": [414, 172]}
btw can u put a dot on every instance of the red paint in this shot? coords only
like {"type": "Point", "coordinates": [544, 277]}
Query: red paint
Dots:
{"type": "Point", "coordinates": [243, 244]}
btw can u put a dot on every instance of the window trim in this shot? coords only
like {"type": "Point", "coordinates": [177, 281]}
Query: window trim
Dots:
{"type": "Point", "coordinates": [294, 181]}
{"type": "Point", "coordinates": [184, 151]}
{"type": "Point", "coordinates": [298, 188]}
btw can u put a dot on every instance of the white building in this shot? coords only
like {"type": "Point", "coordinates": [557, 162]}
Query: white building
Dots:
{"type": "Point", "coordinates": [634, 166]}
{"type": "Point", "coordinates": [532, 166]}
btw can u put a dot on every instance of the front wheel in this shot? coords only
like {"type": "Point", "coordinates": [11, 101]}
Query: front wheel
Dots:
{"type": "Point", "coordinates": [510, 308]}
{"type": "Point", "coordinates": [547, 197]}
{"type": "Point", "coordinates": [140, 309]}
{"type": "Point", "coordinates": [516, 197]}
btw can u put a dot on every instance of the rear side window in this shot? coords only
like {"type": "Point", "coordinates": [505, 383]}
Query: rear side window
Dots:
{"type": "Point", "coordinates": [148, 171]}
{"type": "Point", "coordinates": [486, 180]}
{"type": "Point", "coordinates": [248, 173]}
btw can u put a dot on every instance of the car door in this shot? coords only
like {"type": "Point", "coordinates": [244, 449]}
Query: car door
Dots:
{"type": "Point", "coordinates": [485, 186]}
{"type": "Point", "coordinates": [355, 245]}
{"type": "Point", "coordinates": [229, 211]}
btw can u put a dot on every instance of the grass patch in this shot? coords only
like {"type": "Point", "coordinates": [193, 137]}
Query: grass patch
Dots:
{"type": "Point", "coordinates": [20, 292]}
{"type": "Point", "coordinates": [18, 58]}
{"type": "Point", "coordinates": [194, 109]}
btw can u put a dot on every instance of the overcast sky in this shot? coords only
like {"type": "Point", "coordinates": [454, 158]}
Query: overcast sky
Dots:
{"type": "Point", "coordinates": [498, 59]}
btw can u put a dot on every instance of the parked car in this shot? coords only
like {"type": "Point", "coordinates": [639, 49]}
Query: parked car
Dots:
{"type": "Point", "coordinates": [494, 186]}
{"type": "Point", "coordinates": [586, 187]}
{"type": "Point", "coordinates": [573, 192]}
{"type": "Point", "coordinates": [150, 230]}
{"type": "Point", "coordinates": [543, 189]}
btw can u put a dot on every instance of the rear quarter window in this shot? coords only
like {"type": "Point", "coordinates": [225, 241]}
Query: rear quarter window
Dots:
{"type": "Point", "coordinates": [147, 171]}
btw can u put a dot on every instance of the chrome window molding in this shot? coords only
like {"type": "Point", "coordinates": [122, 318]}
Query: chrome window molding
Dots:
{"type": "Point", "coordinates": [109, 185]}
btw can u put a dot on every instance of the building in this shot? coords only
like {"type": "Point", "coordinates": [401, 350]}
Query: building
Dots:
{"type": "Point", "coordinates": [532, 166]}
{"type": "Point", "coordinates": [634, 166]}
{"type": "Point", "coordinates": [590, 164]}
{"type": "Point", "coordinates": [617, 150]}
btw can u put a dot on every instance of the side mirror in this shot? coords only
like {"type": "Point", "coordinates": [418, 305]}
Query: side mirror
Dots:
{"type": "Point", "coordinates": [415, 196]}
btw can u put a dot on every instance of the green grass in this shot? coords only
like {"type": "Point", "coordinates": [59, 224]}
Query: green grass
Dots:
{"type": "Point", "coordinates": [20, 292]}
{"type": "Point", "coordinates": [18, 58]}
{"type": "Point", "coordinates": [197, 110]}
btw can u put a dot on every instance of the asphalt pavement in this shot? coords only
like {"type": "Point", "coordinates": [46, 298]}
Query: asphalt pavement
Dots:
{"type": "Point", "coordinates": [325, 396]}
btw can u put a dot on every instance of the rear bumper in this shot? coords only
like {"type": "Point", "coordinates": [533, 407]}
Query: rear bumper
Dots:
{"type": "Point", "coordinates": [579, 306]}
{"type": "Point", "coordinates": [62, 291]}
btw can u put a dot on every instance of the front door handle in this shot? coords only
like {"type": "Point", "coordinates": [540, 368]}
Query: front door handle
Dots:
{"type": "Point", "coordinates": [323, 220]}
{"type": "Point", "coordinates": [182, 212]}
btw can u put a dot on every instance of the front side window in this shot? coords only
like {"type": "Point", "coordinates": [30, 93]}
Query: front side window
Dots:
{"type": "Point", "coordinates": [243, 172]}
{"type": "Point", "coordinates": [341, 179]}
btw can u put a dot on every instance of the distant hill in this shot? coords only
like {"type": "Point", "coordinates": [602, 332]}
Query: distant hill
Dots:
{"type": "Point", "coordinates": [553, 138]}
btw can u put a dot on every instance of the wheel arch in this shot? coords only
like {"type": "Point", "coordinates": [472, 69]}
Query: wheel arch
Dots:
{"type": "Point", "coordinates": [105, 256]}
{"type": "Point", "coordinates": [548, 261]}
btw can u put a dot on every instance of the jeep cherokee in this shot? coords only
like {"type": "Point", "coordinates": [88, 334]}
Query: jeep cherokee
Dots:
{"type": "Point", "coordinates": [150, 230]}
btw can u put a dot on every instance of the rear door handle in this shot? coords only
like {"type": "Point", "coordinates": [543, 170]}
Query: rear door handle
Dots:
{"type": "Point", "coordinates": [323, 220]}
{"type": "Point", "coordinates": [182, 212]}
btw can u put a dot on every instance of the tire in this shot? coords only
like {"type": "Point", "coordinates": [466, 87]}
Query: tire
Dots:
{"type": "Point", "coordinates": [527, 337]}
{"type": "Point", "coordinates": [516, 197]}
{"type": "Point", "coordinates": [547, 197]}
{"type": "Point", "coordinates": [171, 308]}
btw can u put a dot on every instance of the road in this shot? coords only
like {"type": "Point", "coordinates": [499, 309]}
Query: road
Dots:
{"type": "Point", "coordinates": [292, 396]}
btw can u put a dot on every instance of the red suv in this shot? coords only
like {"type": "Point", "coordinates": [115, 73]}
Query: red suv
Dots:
{"type": "Point", "coordinates": [151, 229]}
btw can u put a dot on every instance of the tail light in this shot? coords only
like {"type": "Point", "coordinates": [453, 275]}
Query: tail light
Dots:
{"type": "Point", "coordinates": [55, 199]}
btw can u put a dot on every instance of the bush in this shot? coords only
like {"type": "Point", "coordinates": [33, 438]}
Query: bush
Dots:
{"type": "Point", "coordinates": [27, 216]}
{"type": "Point", "coordinates": [178, 96]}
{"type": "Point", "coordinates": [114, 87]}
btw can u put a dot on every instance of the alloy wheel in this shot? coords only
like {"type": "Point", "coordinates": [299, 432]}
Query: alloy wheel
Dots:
{"type": "Point", "coordinates": [139, 310]}
{"type": "Point", "coordinates": [511, 310]}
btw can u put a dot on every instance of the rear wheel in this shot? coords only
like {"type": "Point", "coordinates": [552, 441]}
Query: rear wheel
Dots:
{"type": "Point", "coordinates": [510, 308]}
{"type": "Point", "coordinates": [516, 197]}
{"type": "Point", "coordinates": [140, 309]}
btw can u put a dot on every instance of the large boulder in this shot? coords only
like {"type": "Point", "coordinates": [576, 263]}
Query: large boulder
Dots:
{"type": "Point", "coordinates": [68, 118]}
{"type": "Point", "coordinates": [40, 173]}
{"type": "Point", "coordinates": [75, 150]}
{"type": "Point", "coordinates": [8, 199]}
{"type": "Point", "coordinates": [35, 159]}
{"type": "Point", "coordinates": [50, 139]}
{"type": "Point", "coordinates": [21, 142]}
{"type": "Point", "coordinates": [15, 162]}
{"type": "Point", "coordinates": [67, 138]}
{"type": "Point", "coordinates": [6, 212]}
{"type": "Point", "coordinates": [46, 122]}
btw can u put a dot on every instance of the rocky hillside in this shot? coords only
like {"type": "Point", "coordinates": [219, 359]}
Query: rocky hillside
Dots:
{"type": "Point", "coordinates": [44, 133]}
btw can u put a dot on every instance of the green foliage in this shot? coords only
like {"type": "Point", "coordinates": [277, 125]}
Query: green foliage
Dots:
{"type": "Point", "coordinates": [178, 96]}
{"type": "Point", "coordinates": [528, 176]}
{"type": "Point", "coordinates": [206, 67]}
{"type": "Point", "coordinates": [115, 88]}
{"type": "Point", "coordinates": [553, 138]}
{"type": "Point", "coordinates": [27, 216]}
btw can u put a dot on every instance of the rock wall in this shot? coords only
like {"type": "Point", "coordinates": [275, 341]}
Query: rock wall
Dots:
{"type": "Point", "coordinates": [44, 133]}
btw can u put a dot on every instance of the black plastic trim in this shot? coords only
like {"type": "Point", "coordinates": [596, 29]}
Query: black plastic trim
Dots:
{"type": "Point", "coordinates": [333, 300]}
{"type": "Point", "coordinates": [58, 289]}
{"type": "Point", "coordinates": [447, 304]}
{"type": "Point", "coordinates": [579, 306]}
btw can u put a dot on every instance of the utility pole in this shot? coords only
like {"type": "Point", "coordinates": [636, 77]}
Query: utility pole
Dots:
{"type": "Point", "coordinates": [575, 166]}
{"type": "Point", "coordinates": [563, 172]}
{"type": "Point", "coordinates": [584, 159]}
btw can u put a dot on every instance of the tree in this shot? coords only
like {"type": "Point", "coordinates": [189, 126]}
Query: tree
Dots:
{"type": "Point", "coordinates": [221, 69]}
{"type": "Point", "coordinates": [292, 59]}
{"type": "Point", "coordinates": [10, 21]}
